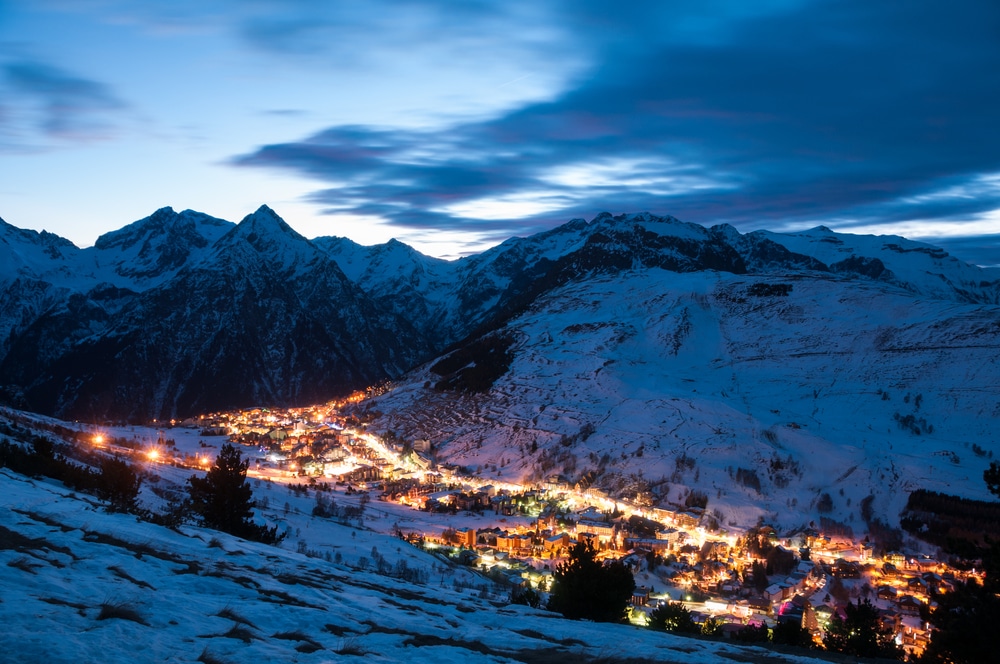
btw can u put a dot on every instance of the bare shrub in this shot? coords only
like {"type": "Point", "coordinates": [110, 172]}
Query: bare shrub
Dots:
{"type": "Point", "coordinates": [121, 611]}
{"type": "Point", "coordinates": [228, 613]}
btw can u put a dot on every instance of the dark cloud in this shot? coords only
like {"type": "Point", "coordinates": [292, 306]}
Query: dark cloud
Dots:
{"type": "Point", "coordinates": [841, 112]}
{"type": "Point", "coordinates": [63, 105]}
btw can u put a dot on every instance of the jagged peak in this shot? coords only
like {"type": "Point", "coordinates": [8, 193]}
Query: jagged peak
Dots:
{"type": "Point", "coordinates": [164, 211]}
{"type": "Point", "coordinates": [726, 231]}
{"type": "Point", "coordinates": [43, 238]}
{"type": "Point", "coordinates": [128, 234]}
{"type": "Point", "coordinates": [164, 222]}
{"type": "Point", "coordinates": [266, 220]}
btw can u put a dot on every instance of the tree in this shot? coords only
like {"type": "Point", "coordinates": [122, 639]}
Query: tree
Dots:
{"type": "Point", "coordinates": [712, 627]}
{"type": "Point", "coordinates": [673, 617]}
{"type": "Point", "coordinates": [964, 621]}
{"type": "Point", "coordinates": [992, 478]}
{"type": "Point", "coordinates": [526, 596]}
{"type": "Point", "coordinates": [860, 634]}
{"type": "Point", "coordinates": [585, 588]}
{"type": "Point", "coordinates": [224, 500]}
{"type": "Point", "coordinates": [759, 573]}
{"type": "Point", "coordinates": [753, 633]}
{"type": "Point", "coordinates": [791, 633]}
{"type": "Point", "coordinates": [118, 484]}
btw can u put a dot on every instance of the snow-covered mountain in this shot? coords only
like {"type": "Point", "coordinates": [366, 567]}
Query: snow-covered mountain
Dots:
{"type": "Point", "coordinates": [632, 337]}
{"type": "Point", "coordinates": [257, 315]}
{"type": "Point", "coordinates": [654, 358]}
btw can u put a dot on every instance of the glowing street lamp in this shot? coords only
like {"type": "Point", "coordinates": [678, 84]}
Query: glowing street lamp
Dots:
{"type": "Point", "coordinates": [153, 454]}
{"type": "Point", "coordinates": [98, 439]}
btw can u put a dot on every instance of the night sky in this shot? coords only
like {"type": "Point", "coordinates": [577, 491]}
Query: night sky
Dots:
{"type": "Point", "coordinates": [454, 125]}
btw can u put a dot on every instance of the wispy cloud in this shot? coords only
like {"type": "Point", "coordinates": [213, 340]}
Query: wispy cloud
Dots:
{"type": "Point", "coordinates": [56, 103]}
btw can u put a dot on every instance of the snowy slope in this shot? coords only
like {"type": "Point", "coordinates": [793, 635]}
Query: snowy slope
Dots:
{"type": "Point", "coordinates": [82, 585]}
{"type": "Point", "coordinates": [185, 298]}
{"type": "Point", "coordinates": [915, 266]}
{"type": "Point", "coordinates": [860, 387]}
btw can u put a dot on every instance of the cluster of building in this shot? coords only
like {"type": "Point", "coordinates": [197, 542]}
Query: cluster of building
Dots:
{"type": "Point", "coordinates": [710, 568]}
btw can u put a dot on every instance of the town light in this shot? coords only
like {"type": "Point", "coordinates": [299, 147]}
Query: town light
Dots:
{"type": "Point", "coordinates": [98, 439]}
{"type": "Point", "coordinates": [153, 454]}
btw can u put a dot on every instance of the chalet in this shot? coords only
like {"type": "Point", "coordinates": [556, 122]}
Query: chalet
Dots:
{"type": "Point", "coordinates": [847, 569]}
{"type": "Point", "coordinates": [909, 606]}
{"type": "Point", "coordinates": [927, 565]}
{"type": "Point", "coordinates": [640, 596]}
{"type": "Point", "coordinates": [916, 585]}
{"type": "Point", "coordinates": [759, 605]}
{"type": "Point", "coordinates": [775, 592]}
{"type": "Point", "coordinates": [467, 557]}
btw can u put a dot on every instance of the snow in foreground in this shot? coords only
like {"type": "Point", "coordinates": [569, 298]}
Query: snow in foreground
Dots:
{"type": "Point", "coordinates": [78, 584]}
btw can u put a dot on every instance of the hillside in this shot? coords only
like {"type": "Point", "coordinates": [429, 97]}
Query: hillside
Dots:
{"type": "Point", "coordinates": [653, 382]}
{"type": "Point", "coordinates": [82, 584]}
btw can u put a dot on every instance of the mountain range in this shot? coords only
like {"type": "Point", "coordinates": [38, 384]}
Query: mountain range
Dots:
{"type": "Point", "coordinates": [636, 352]}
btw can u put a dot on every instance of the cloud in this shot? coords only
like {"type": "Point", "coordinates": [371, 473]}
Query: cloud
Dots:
{"type": "Point", "coordinates": [982, 250]}
{"type": "Point", "coordinates": [57, 103]}
{"type": "Point", "coordinates": [843, 112]}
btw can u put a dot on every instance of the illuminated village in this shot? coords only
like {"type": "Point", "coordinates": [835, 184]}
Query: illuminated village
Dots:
{"type": "Point", "coordinates": [517, 535]}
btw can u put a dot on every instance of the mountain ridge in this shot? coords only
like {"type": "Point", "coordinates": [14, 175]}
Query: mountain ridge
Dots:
{"type": "Point", "coordinates": [71, 314]}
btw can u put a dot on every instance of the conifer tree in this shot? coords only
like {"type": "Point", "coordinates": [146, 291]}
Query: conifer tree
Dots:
{"type": "Point", "coordinates": [584, 588]}
{"type": "Point", "coordinates": [118, 484]}
{"type": "Point", "coordinates": [859, 634]}
{"type": "Point", "coordinates": [224, 500]}
{"type": "Point", "coordinates": [673, 617]}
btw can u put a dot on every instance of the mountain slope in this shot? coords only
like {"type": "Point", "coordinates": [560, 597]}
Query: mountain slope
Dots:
{"type": "Point", "coordinates": [180, 313]}
{"type": "Point", "coordinates": [655, 382]}
{"type": "Point", "coordinates": [264, 317]}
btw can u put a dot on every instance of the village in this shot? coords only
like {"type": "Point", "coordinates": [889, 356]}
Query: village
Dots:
{"type": "Point", "coordinates": [519, 534]}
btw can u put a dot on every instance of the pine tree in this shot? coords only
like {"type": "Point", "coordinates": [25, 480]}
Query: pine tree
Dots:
{"type": "Point", "coordinates": [224, 500]}
{"type": "Point", "coordinates": [792, 634]}
{"type": "Point", "coordinates": [584, 588]}
{"type": "Point", "coordinates": [860, 634]}
{"type": "Point", "coordinates": [119, 484]}
{"type": "Point", "coordinates": [992, 478]}
{"type": "Point", "coordinates": [673, 617]}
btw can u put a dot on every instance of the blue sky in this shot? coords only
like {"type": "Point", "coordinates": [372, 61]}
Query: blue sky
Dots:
{"type": "Point", "coordinates": [454, 125]}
